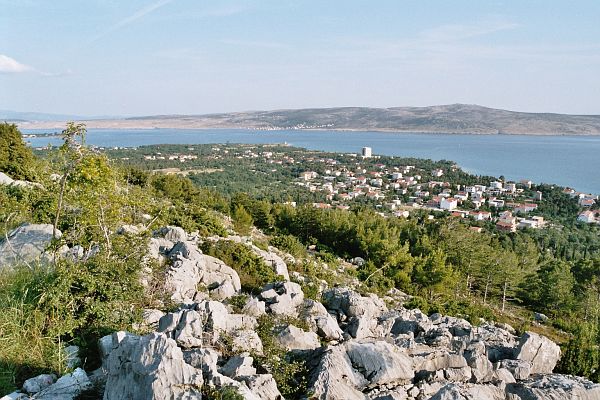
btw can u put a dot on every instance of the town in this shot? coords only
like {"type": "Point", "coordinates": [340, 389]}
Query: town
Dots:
{"type": "Point", "coordinates": [394, 186]}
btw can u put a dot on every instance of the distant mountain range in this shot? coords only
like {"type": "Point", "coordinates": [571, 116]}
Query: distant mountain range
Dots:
{"type": "Point", "coordinates": [454, 118]}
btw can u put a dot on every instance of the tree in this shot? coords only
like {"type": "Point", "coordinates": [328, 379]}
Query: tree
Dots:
{"type": "Point", "coordinates": [433, 274]}
{"type": "Point", "coordinates": [16, 159]}
{"type": "Point", "coordinates": [72, 154]}
{"type": "Point", "coordinates": [242, 220]}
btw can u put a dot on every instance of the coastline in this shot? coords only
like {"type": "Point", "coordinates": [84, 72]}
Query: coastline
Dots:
{"type": "Point", "coordinates": [125, 125]}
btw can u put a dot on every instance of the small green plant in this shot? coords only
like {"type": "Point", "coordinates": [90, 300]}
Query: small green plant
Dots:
{"type": "Point", "coordinates": [253, 271]}
{"type": "Point", "coordinates": [223, 393]}
{"type": "Point", "coordinates": [289, 371]}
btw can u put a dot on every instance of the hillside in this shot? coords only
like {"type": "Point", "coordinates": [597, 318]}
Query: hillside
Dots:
{"type": "Point", "coordinates": [455, 118]}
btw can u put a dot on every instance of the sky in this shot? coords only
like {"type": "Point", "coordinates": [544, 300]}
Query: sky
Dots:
{"type": "Point", "coordinates": [149, 57]}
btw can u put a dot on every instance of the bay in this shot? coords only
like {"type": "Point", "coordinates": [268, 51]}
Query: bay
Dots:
{"type": "Point", "coordinates": [572, 161]}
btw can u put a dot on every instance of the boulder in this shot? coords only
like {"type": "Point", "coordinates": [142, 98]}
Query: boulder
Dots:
{"type": "Point", "coordinates": [5, 179]}
{"type": "Point", "coordinates": [361, 312]}
{"type": "Point", "coordinates": [481, 367]}
{"type": "Point", "coordinates": [222, 381]}
{"type": "Point", "coordinates": [246, 340]}
{"type": "Point", "coordinates": [172, 233]}
{"type": "Point", "coordinates": [380, 363]}
{"type": "Point", "coordinates": [273, 260]}
{"type": "Point", "coordinates": [185, 327]}
{"type": "Point", "coordinates": [293, 338]}
{"type": "Point", "coordinates": [541, 352]}
{"type": "Point", "coordinates": [203, 358]}
{"type": "Point", "coordinates": [320, 321]}
{"type": "Point", "coordinates": [553, 387]}
{"type": "Point", "coordinates": [520, 369]}
{"type": "Point", "coordinates": [335, 379]}
{"type": "Point", "coordinates": [238, 366]}
{"type": "Point", "coordinates": [38, 383]}
{"type": "Point", "coordinates": [67, 387]}
{"type": "Point", "coordinates": [151, 317]}
{"type": "Point", "coordinates": [263, 386]}
{"type": "Point", "coordinates": [254, 307]}
{"type": "Point", "coordinates": [15, 396]}
{"type": "Point", "coordinates": [283, 298]}
{"type": "Point", "coordinates": [26, 244]}
{"type": "Point", "coordinates": [190, 268]}
{"type": "Point", "coordinates": [150, 367]}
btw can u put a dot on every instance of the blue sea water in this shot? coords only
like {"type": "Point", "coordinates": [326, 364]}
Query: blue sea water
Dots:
{"type": "Point", "coordinates": [572, 161]}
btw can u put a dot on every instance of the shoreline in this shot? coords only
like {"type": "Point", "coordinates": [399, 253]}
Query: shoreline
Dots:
{"type": "Point", "coordinates": [59, 125]}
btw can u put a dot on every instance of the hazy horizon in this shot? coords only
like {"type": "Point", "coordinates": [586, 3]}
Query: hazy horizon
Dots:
{"type": "Point", "coordinates": [152, 57]}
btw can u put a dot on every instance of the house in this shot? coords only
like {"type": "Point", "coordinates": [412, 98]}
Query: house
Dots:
{"type": "Point", "coordinates": [462, 196]}
{"type": "Point", "coordinates": [537, 196]}
{"type": "Point", "coordinates": [526, 183]}
{"type": "Point", "coordinates": [525, 208]}
{"type": "Point", "coordinates": [449, 203]}
{"type": "Point", "coordinates": [402, 214]}
{"type": "Point", "coordinates": [437, 172]}
{"type": "Point", "coordinates": [434, 202]}
{"type": "Point", "coordinates": [507, 222]}
{"type": "Point", "coordinates": [496, 185]}
{"type": "Point", "coordinates": [587, 217]}
{"type": "Point", "coordinates": [586, 202]}
{"type": "Point", "coordinates": [510, 187]}
{"type": "Point", "coordinates": [498, 203]}
{"type": "Point", "coordinates": [308, 175]}
{"type": "Point", "coordinates": [481, 215]}
{"type": "Point", "coordinates": [476, 229]}
{"type": "Point", "coordinates": [532, 223]}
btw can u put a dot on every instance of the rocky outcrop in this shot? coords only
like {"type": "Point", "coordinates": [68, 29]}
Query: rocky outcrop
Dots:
{"type": "Point", "coordinates": [149, 367]}
{"type": "Point", "coordinates": [283, 298]}
{"type": "Point", "coordinates": [551, 387]}
{"type": "Point", "coordinates": [67, 387]}
{"type": "Point", "coordinates": [381, 363]}
{"type": "Point", "coordinates": [293, 339]}
{"type": "Point", "coordinates": [353, 346]}
{"type": "Point", "coordinates": [541, 352]}
{"type": "Point", "coordinates": [26, 244]}
{"type": "Point", "coordinates": [190, 268]}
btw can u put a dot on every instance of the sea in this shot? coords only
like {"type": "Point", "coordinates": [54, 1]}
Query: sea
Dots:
{"type": "Point", "coordinates": [571, 161]}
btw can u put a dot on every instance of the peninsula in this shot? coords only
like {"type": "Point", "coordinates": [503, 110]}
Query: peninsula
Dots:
{"type": "Point", "coordinates": [454, 118]}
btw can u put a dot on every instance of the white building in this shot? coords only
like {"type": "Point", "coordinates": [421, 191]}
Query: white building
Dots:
{"type": "Point", "coordinates": [587, 217]}
{"type": "Point", "coordinates": [496, 185]}
{"type": "Point", "coordinates": [449, 203]}
{"type": "Point", "coordinates": [367, 152]}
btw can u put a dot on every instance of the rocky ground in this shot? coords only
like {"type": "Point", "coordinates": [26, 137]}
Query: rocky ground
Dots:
{"type": "Point", "coordinates": [356, 347]}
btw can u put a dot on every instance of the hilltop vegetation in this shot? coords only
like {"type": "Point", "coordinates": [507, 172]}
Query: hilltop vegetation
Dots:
{"type": "Point", "coordinates": [453, 118]}
{"type": "Point", "coordinates": [441, 263]}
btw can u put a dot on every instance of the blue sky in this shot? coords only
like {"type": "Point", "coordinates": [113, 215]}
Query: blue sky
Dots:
{"type": "Point", "coordinates": [140, 57]}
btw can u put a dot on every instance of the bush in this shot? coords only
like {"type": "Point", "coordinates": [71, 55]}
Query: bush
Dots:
{"type": "Point", "coordinates": [289, 244]}
{"type": "Point", "coordinates": [289, 371]}
{"type": "Point", "coordinates": [253, 271]}
{"type": "Point", "coordinates": [16, 159]}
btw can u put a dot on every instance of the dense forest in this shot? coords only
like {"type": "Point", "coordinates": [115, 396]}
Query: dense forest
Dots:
{"type": "Point", "coordinates": [443, 264]}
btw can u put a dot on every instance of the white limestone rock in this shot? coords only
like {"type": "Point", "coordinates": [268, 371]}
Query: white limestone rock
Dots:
{"type": "Point", "coordinates": [541, 352]}
{"type": "Point", "coordinates": [293, 339]}
{"type": "Point", "coordinates": [381, 363]}
{"type": "Point", "coordinates": [150, 367]}
{"type": "Point", "coordinates": [26, 244]}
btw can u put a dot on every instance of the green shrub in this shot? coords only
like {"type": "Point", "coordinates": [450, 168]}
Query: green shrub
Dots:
{"type": "Point", "coordinates": [289, 371]}
{"type": "Point", "coordinates": [289, 244]}
{"type": "Point", "coordinates": [253, 271]}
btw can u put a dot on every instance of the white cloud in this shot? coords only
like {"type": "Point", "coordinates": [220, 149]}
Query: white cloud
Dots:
{"type": "Point", "coordinates": [9, 65]}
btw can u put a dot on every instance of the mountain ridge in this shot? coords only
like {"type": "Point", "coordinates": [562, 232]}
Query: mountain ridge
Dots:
{"type": "Point", "coordinates": [452, 118]}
